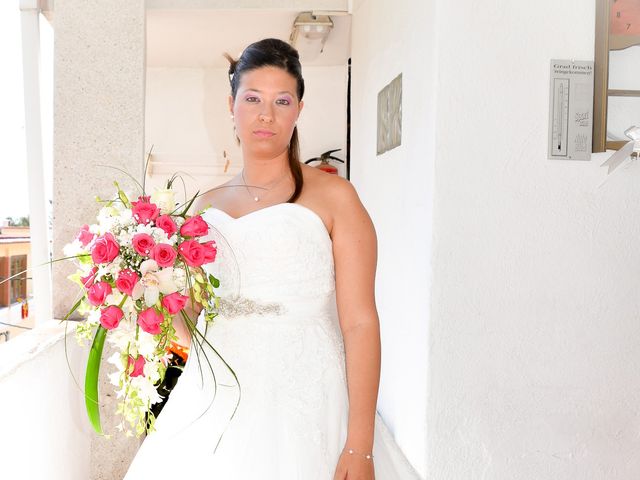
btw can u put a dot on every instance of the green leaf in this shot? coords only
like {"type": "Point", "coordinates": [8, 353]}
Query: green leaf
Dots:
{"type": "Point", "coordinates": [76, 278]}
{"type": "Point", "coordinates": [91, 379]}
{"type": "Point", "coordinates": [85, 307]}
{"type": "Point", "coordinates": [188, 204]}
{"type": "Point", "coordinates": [214, 281]}
{"type": "Point", "coordinates": [73, 309]}
{"type": "Point", "coordinates": [85, 259]}
{"type": "Point", "coordinates": [123, 196]}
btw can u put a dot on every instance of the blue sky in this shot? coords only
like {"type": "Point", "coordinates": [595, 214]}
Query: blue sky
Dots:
{"type": "Point", "coordinates": [14, 199]}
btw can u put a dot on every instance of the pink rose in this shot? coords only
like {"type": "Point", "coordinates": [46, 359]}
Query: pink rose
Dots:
{"type": "Point", "coordinates": [126, 280]}
{"type": "Point", "coordinates": [150, 320]}
{"type": "Point", "coordinates": [90, 278]}
{"type": "Point", "coordinates": [164, 255]}
{"type": "Point", "coordinates": [144, 211]}
{"type": "Point", "coordinates": [143, 243]}
{"type": "Point", "coordinates": [192, 252]}
{"type": "Point", "coordinates": [194, 227]}
{"type": "Point", "coordinates": [210, 251]}
{"type": "Point", "coordinates": [98, 292]}
{"type": "Point", "coordinates": [110, 317]}
{"type": "Point", "coordinates": [85, 236]}
{"type": "Point", "coordinates": [105, 249]}
{"type": "Point", "coordinates": [166, 223]}
{"type": "Point", "coordinates": [136, 366]}
{"type": "Point", "coordinates": [174, 302]}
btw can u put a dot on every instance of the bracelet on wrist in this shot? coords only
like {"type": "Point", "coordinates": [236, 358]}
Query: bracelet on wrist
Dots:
{"type": "Point", "coordinates": [368, 456]}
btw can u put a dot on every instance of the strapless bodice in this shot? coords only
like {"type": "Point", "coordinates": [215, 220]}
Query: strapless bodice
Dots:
{"type": "Point", "coordinates": [279, 255]}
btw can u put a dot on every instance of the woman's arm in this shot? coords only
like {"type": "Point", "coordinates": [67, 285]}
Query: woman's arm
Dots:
{"type": "Point", "coordinates": [355, 257]}
{"type": "Point", "coordinates": [182, 332]}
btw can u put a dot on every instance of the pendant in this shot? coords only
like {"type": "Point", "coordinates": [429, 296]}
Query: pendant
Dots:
{"type": "Point", "coordinates": [256, 198]}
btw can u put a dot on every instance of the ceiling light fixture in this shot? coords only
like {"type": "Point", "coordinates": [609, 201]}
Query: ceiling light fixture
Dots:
{"type": "Point", "coordinates": [309, 34]}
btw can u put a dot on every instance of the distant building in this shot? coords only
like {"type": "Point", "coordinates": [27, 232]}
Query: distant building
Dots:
{"type": "Point", "coordinates": [15, 245]}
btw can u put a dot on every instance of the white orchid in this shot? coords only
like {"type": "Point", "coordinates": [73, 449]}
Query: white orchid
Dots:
{"type": "Point", "coordinates": [116, 359]}
{"type": "Point", "coordinates": [93, 317]}
{"type": "Point", "coordinates": [152, 372]}
{"type": "Point", "coordinates": [146, 390]}
{"type": "Point", "coordinates": [154, 281]}
{"type": "Point", "coordinates": [180, 278]}
{"type": "Point", "coordinates": [146, 344]}
{"type": "Point", "coordinates": [120, 337]}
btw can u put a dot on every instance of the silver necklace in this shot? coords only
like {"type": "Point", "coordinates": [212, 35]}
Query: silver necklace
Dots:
{"type": "Point", "coordinates": [256, 197]}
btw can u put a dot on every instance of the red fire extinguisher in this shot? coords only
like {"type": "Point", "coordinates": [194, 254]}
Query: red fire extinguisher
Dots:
{"type": "Point", "coordinates": [324, 165]}
{"type": "Point", "coordinates": [24, 311]}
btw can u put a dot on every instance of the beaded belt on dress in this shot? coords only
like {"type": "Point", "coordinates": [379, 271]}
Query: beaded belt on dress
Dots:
{"type": "Point", "coordinates": [236, 306]}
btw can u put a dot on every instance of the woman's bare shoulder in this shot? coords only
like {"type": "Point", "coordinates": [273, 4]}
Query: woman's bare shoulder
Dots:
{"type": "Point", "coordinates": [332, 196]}
{"type": "Point", "coordinates": [324, 185]}
{"type": "Point", "coordinates": [334, 188]}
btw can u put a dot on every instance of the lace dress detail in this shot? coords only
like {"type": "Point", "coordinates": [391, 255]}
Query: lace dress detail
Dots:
{"type": "Point", "coordinates": [278, 329]}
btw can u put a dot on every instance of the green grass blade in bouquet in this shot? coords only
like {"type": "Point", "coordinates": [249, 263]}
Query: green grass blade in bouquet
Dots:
{"type": "Point", "coordinates": [91, 379]}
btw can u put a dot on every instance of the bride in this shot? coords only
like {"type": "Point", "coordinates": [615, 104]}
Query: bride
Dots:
{"type": "Point", "coordinates": [300, 328]}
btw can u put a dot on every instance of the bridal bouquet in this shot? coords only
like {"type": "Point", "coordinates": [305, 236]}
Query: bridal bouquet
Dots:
{"type": "Point", "coordinates": [138, 266]}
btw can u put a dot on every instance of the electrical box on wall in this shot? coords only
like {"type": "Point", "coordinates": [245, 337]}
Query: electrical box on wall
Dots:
{"type": "Point", "coordinates": [570, 110]}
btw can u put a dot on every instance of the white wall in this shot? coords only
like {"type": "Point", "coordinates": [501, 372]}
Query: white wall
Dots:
{"type": "Point", "coordinates": [323, 121]}
{"type": "Point", "coordinates": [397, 189]}
{"type": "Point", "coordinates": [535, 320]}
{"type": "Point", "coordinates": [188, 124]}
{"type": "Point", "coordinates": [44, 432]}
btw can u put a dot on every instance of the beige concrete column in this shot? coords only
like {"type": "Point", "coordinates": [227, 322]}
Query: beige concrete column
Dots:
{"type": "Point", "coordinates": [99, 77]}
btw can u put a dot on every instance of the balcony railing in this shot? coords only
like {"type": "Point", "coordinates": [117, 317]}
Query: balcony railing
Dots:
{"type": "Point", "coordinates": [44, 433]}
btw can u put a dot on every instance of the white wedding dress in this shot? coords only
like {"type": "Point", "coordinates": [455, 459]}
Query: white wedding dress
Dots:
{"type": "Point", "coordinates": [278, 330]}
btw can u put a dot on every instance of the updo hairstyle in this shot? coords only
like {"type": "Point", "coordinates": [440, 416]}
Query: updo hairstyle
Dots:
{"type": "Point", "coordinates": [272, 52]}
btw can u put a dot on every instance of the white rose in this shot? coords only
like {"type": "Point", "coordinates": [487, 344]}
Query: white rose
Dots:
{"type": "Point", "coordinates": [165, 200]}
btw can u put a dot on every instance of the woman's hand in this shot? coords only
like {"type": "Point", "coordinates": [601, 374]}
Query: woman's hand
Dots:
{"type": "Point", "coordinates": [354, 467]}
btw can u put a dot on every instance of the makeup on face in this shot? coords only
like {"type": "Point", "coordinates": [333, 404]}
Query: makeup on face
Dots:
{"type": "Point", "coordinates": [256, 96]}
{"type": "Point", "coordinates": [266, 108]}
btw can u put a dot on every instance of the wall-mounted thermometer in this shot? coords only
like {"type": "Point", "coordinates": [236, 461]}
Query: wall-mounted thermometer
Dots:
{"type": "Point", "coordinates": [570, 110]}
{"type": "Point", "coordinates": [560, 116]}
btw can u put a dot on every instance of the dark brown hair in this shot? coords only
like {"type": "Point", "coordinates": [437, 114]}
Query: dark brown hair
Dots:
{"type": "Point", "coordinates": [272, 52]}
